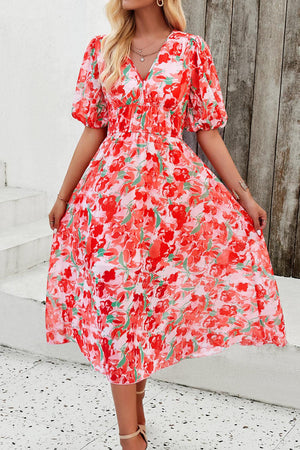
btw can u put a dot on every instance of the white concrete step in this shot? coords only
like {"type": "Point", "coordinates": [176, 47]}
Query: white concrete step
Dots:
{"type": "Point", "coordinates": [267, 373]}
{"type": "Point", "coordinates": [24, 246]}
{"type": "Point", "coordinates": [3, 180]}
{"type": "Point", "coordinates": [19, 206]}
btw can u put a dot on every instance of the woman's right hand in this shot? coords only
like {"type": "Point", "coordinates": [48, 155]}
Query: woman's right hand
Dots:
{"type": "Point", "coordinates": [56, 214]}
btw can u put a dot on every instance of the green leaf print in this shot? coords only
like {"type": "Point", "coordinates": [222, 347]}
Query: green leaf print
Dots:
{"type": "Point", "coordinates": [130, 288]}
{"type": "Point", "coordinates": [171, 351]}
{"type": "Point", "coordinates": [169, 80]}
{"type": "Point", "coordinates": [101, 251]}
{"type": "Point", "coordinates": [145, 300]}
{"type": "Point", "coordinates": [142, 234]}
{"type": "Point", "coordinates": [89, 214]}
{"type": "Point", "coordinates": [157, 217]}
{"type": "Point", "coordinates": [248, 328]}
{"type": "Point", "coordinates": [179, 319]}
{"type": "Point", "coordinates": [121, 260]}
{"type": "Point", "coordinates": [101, 164]}
{"type": "Point", "coordinates": [184, 107]}
{"type": "Point", "coordinates": [74, 311]}
{"type": "Point", "coordinates": [109, 318]}
{"type": "Point", "coordinates": [127, 218]}
{"type": "Point", "coordinates": [101, 351]}
{"type": "Point", "coordinates": [187, 185]}
{"type": "Point", "coordinates": [161, 166]}
{"type": "Point", "coordinates": [71, 220]}
{"type": "Point", "coordinates": [196, 346]}
{"type": "Point", "coordinates": [126, 325]}
{"type": "Point", "coordinates": [185, 266]}
{"type": "Point", "coordinates": [196, 229]}
{"type": "Point", "coordinates": [136, 376]}
{"type": "Point", "coordinates": [277, 321]}
{"type": "Point", "coordinates": [209, 245]}
{"type": "Point", "coordinates": [126, 70]}
{"type": "Point", "coordinates": [121, 174]}
{"type": "Point", "coordinates": [205, 194]}
{"type": "Point", "coordinates": [137, 180]}
{"type": "Point", "coordinates": [170, 179]}
{"type": "Point", "coordinates": [73, 261]}
{"type": "Point", "coordinates": [116, 303]}
{"type": "Point", "coordinates": [142, 353]}
{"type": "Point", "coordinates": [122, 362]}
{"type": "Point", "coordinates": [143, 120]}
{"type": "Point", "coordinates": [206, 301]}
{"type": "Point", "coordinates": [269, 275]}
{"type": "Point", "coordinates": [229, 231]}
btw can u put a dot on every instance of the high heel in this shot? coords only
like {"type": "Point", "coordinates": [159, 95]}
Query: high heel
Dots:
{"type": "Point", "coordinates": [131, 435]}
{"type": "Point", "coordinates": [141, 425]}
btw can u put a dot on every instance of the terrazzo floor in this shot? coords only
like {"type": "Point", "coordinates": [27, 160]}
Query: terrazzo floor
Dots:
{"type": "Point", "coordinates": [52, 404]}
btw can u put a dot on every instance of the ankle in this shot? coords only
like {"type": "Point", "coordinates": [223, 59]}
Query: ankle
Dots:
{"type": "Point", "coordinates": [136, 443]}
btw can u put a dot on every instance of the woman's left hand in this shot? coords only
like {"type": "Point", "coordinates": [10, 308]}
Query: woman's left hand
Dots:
{"type": "Point", "coordinates": [256, 212]}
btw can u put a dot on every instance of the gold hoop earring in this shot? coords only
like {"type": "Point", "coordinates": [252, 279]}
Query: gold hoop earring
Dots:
{"type": "Point", "coordinates": [160, 2]}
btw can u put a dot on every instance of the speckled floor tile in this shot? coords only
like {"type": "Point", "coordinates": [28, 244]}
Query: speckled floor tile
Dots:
{"type": "Point", "coordinates": [194, 419]}
{"type": "Point", "coordinates": [291, 441]}
{"type": "Point", "coordinates": [13, 363]}
{"type": "Point", "coordinates": [51, 404]}
{"type": "Point", "coordinates": [21, 433]}
{"type": "Point", "coordinates": [66, 393]}
{"type": "Point", "coordinates": [181, 418]}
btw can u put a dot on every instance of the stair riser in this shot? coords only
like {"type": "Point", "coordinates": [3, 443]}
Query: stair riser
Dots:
{"type": "Point", "coordinates": [266, 373]}
{"type": "Point", "coordinates": [23, 256]}
{"type": "Point", "coordinates": [21, 211]}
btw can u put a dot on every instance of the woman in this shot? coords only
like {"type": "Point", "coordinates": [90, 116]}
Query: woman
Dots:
{"type": "Point", "coordinates": [154, 260]}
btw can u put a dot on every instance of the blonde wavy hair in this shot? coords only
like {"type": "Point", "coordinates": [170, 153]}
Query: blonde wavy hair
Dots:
{"type": "Point", "coordinates": [115, 46]}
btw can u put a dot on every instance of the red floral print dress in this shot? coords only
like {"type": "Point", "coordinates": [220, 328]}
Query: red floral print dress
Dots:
{"type": "Point", "coordinates": [155, 261]}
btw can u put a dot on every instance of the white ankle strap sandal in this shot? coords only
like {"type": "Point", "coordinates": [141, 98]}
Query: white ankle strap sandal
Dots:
{"type": "Point", "coordinates": [131, 435]}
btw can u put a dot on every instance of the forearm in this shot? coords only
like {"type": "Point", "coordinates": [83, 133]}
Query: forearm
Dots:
{"type": "Point", "coordinates": [216, 151]}
{"type": "Point", "coordinates": [86, 148]}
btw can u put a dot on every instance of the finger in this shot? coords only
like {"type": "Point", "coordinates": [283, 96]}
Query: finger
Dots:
{"type": "Point", "coordinates": [256, 223]}
{"type": "Point", "coordinates": [263, 223]}
{"type": "Point", "coordinates": [51, 221]}
{"type": "Point", "coordinates": [263, 220]}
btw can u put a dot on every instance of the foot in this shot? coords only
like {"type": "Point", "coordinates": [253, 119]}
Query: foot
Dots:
{"type": "Point", "coordinates": [134, 443]}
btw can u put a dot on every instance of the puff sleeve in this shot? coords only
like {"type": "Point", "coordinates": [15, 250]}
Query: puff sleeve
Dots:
{"type": "Point", "coordinates": [88, 104]}
{"type": "Point", "coordinates": [205, 108]}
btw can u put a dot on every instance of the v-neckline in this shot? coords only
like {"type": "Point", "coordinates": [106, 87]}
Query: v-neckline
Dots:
{"type": "Point", "coordinates": [154, 62]}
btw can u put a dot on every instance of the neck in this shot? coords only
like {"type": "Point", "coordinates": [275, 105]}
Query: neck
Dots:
{"type": "Point", "coordinates": [150, 21]}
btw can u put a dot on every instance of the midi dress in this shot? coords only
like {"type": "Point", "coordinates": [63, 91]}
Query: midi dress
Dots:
{"type": "Point", "coordinates": [154, 260]}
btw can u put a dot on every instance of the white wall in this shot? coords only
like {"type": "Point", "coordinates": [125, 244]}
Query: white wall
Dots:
{"type": "Point", "coordinates": [42, 45]}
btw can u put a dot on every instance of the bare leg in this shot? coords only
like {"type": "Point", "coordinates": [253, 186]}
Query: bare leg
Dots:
{"type": "Point", "coordinates": [125, 404]}
{"type": "Point", "coordinates": [139, 402]}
